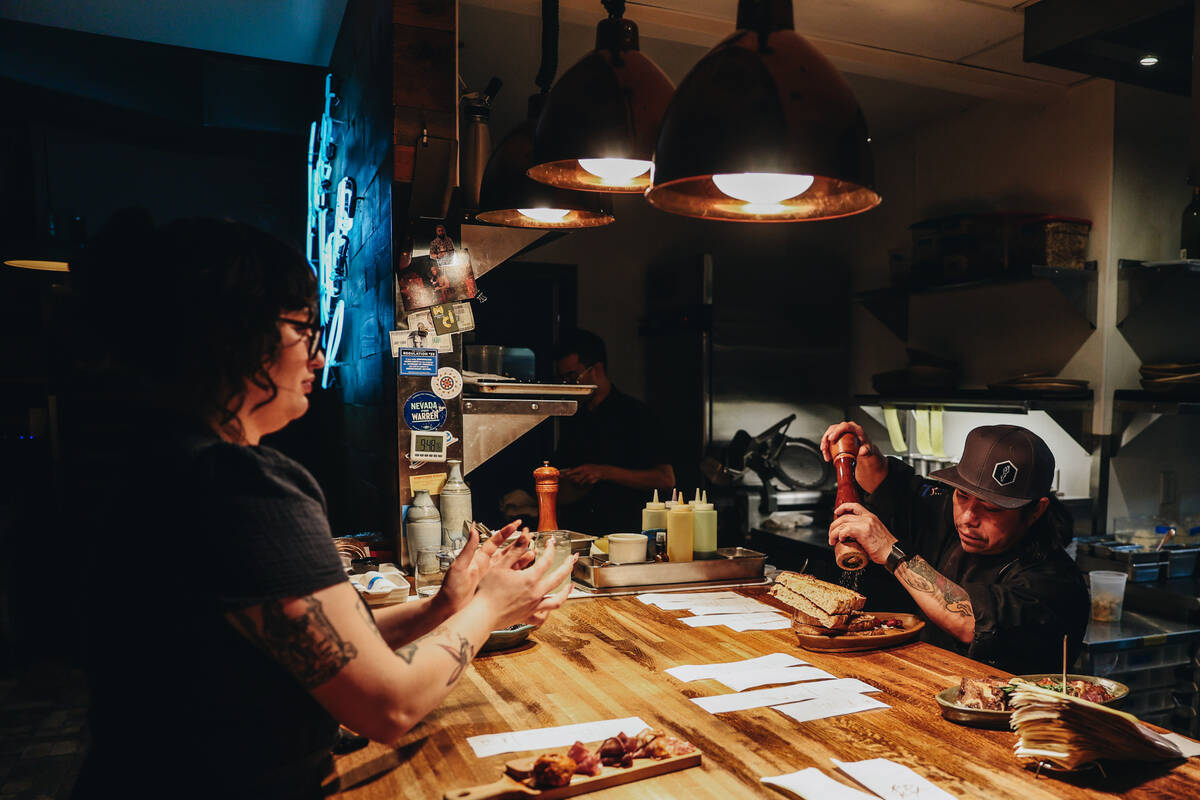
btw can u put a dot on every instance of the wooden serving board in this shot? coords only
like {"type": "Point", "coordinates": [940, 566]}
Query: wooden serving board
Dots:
{"type": "Point", "coordinates": [510, 787]}
{"type": "Point", "coordinates": [858, 642]}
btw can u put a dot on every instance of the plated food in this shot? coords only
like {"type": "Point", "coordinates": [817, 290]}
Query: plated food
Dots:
{"type": "Point", "coordinates": [551, 770]}
{"type": "Point", "coordinates": [829, 617]}
{"type": "Point", "coordinates": [987, 702]}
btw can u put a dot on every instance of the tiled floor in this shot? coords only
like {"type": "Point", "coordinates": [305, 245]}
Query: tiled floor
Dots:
{"type": "Point", "coordinates": [43, 732]}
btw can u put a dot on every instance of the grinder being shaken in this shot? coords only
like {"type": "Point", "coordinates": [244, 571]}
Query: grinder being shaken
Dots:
{"type": "Point", "coordinates": [978, 546]}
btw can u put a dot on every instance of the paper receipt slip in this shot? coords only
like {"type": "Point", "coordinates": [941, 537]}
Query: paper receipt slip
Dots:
{"type": "Point", "coordinates": [812, 784]}
{"type": "Point", "coordinates": [561, 736]}
{"type": "Point", "coordinates": [891, 781]}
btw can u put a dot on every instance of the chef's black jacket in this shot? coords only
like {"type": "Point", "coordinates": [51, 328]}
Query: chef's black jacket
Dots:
{"type": "Point", "coordinates": [623, 432]}
{"type": "Point", "coordinates": [1025, 600]}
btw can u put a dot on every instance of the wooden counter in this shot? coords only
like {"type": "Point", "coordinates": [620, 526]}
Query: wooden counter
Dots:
{"type": "Point", "coordinates": [604, 659]}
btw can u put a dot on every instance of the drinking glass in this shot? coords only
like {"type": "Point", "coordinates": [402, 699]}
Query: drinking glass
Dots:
{"type": "Point", "coordinates": [429, 569]}
{"type": "Point", "coordinates": [562, 549]}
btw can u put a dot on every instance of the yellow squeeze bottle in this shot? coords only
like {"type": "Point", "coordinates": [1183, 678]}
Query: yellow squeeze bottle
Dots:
{"type": "Point", "coordinates": [654, 515]}
{"type": "Point", "coordinates": [704, 528]}
{"type": "Point", "coordinates": [679, 533]}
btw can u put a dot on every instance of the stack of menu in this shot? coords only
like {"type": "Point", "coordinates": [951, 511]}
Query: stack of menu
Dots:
{"type": "Point", "coordinates": [1070, 733]}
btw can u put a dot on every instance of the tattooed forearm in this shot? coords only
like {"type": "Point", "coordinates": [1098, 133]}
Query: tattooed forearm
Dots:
{"type": "Point", "coordinates": [921, 577]}
{"type": "Point", "coordinates": [307, 644]}
{"type": "Point", "coordinates": [461, 655]}
{"type": "Point", "coordinates": [369, 618]}
{"type": "Point", "coordinates": [409, 651]}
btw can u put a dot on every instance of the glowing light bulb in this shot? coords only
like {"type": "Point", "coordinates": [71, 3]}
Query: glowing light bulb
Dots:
{"type": "Point", "coordinates": [1148, 60]}
{"type": "Point", "coordinates": [615, 171]}
{"type": "Point", "coordinates": [763, 188]}
{"type": "Point", "coordinates": [545, 214]}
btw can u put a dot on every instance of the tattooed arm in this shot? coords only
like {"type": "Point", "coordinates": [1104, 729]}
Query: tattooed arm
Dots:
{"type": "Point", "coordinates": [329, 643]}
{"type": "Point", "coordinates": [945, 602]}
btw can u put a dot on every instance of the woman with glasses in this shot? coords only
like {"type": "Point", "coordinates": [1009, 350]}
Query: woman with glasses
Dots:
{"type": "Point", "coordinates": [222, 665]}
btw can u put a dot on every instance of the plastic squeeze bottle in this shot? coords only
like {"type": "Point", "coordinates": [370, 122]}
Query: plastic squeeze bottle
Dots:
{"type": "Point", "coordinates": [679, 533]}
{"type": "Point", "coordinates": [704, 528]}
{"type": "Point", "coordinates": [654, 523]}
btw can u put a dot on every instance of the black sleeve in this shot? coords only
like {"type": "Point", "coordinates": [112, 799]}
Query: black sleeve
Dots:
{"type": "Point", "coordinates": [653, 449]}
{"type": "Point", "coordinates": [896, 503]}
{"type": "Point", "coordinates": [1020, 620]}
{"type": "Point", "coordinates": [269, 534]}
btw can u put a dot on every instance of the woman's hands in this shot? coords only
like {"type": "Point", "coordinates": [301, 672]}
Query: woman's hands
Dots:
{"type": "Point", "coordinates": [517, 595]}
{"type": "Point", "coordinates": [870, 467]}
{"type": "Point", "coordinates": [475, 560]}
{"type": "Point", "coordinates": [853, 522]}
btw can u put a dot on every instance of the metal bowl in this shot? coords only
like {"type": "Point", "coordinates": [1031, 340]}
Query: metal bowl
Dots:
{"type": "Point", "coordinates": [507, 638]}
{"type": "Point", "coordinates": [987, 718]}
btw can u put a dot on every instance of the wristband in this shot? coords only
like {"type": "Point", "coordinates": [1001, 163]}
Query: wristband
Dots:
{"type": "Point", "coordinates": [895, 558]}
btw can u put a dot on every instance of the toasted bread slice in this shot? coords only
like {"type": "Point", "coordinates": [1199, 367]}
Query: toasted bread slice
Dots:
{"type": "Point", "coordinates": [810, 610]}
{"type": "Point", "coordinates": [829, 597]}
{"type": "Point", "coordinates": [812, 630]}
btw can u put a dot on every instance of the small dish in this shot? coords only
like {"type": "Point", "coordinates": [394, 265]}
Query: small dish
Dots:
{"type": "Point", "coordinates": [989, 718]}
{"type": "Point", "coordinates": [507, 639]}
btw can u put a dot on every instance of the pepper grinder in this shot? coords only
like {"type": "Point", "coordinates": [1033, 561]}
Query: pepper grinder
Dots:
{"type": "Point", "coordinates": [545, 481]}
{"type": "Point", "coordinates": [849, 555]}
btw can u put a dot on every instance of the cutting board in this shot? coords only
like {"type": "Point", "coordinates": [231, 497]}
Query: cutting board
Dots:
{"type": "Point", "coordinates": [510, 787]}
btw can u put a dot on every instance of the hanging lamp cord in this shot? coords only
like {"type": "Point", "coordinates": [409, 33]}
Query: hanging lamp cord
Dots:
{"type": "Point", "coordinates": [549, 65]}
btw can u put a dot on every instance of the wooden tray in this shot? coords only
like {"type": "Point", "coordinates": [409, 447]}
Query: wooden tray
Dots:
{"type": "Point", "coordinates": [510, 787]}
{"type": "Point", "coordinates": [857, 642]}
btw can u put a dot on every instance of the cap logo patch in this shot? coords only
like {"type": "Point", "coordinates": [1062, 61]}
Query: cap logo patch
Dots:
{"type": "Point", "coordinates": [1004, 473]}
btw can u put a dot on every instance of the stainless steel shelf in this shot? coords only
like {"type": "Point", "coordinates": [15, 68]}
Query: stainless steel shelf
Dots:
{"type": "Point", "coordinates": [492, 423]}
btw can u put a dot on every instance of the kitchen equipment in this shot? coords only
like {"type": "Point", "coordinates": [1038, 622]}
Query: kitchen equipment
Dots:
{"type": "Point", "coordinates": [491, 359]}
{"type": "Point", "coordinates": [679, 533]}
{"type": "Point", "coordinates": [515, 389]}
{"type": "Point", "coordinates": [509, 786]}
{"type": "Point", "coordinates": [1140, 564]}
{"type": "Point", "coordinates": [455, 506]}
{"type": "Point", "coordinates": [730, 564]}
{"type": "Point", "coordinates": [545, 481]}
{"type": "Point", "coordinates": [848, 555]}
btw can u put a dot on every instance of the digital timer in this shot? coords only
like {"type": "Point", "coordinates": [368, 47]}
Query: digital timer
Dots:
{"type": "Point", "coordinates": [427, 446]}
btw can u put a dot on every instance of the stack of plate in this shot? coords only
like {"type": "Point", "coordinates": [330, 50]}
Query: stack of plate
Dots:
{"type": "Point", "coordinates": [1171, 377]}
{"type": "Point", "coordinates": [1039, 382]}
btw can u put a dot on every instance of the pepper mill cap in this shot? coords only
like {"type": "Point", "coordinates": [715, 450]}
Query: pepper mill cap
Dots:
{"type": "Point", "coordinates": [545, 474]}
{"type": "Point", "coordinates": [846, 446]}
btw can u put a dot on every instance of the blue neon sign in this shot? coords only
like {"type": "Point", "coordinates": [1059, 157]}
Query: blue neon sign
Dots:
{"type": "Point", "coordinates": [330, 220]}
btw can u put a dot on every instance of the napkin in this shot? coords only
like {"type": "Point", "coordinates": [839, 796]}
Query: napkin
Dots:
{"type": "Point", "coordinates": [812, 784]}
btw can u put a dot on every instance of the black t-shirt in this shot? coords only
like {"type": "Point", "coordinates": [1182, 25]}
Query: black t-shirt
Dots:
{"type": "Point", "coordinates": [202, 528]}
{"type": "Point", "coordinates": [1025, 600]}
{"type": "Point", "coordinates": [621, 431]}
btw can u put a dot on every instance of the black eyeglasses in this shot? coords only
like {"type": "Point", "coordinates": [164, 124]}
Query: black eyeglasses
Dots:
{"type": "Point", "coordinates": [574, 375]}
{"type": "Point", "coordinates": [307, 330]}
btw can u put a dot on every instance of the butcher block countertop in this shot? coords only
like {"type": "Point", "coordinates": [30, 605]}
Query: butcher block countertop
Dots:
{"type": "Point", "coordinates": [603, 658]}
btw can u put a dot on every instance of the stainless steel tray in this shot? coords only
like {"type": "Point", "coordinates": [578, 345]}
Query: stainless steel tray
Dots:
{"type": "Point", "coordinates": [730, 564]}
{"type": "Point", "coordinates": [535, 389]}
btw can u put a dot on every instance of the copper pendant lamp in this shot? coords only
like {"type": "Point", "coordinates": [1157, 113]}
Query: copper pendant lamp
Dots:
{"type": "Point", "coordinates": [509, 197]}
{"type": "Point", "coordinates": [598, 129]}
{"type": "Point", "coordinates": [763, 129]}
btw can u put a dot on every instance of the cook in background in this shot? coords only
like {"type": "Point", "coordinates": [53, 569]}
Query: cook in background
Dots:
{"type": "Point", "coordinates": [611, 452]}
{"type": "Point", "coordinates": [224, 668]}
{"type": "Point", "coordinates": [978, 546]}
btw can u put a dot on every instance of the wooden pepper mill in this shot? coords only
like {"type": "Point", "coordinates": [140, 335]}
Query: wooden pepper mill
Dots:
{"type": "Point", "coordinates": [849, 555]}
{"type": "Point", "coordinates": [545, 481]}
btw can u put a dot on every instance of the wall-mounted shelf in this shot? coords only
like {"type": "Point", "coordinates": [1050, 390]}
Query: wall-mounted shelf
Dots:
{"type": "Point", "coordinates": [1071, 410]}
{"type": "Point", "coordinates": [491, 424]}
{"type": "Point", "coordinates": [890, 305]}
{"type": "Point", "coordinates": [1156, 308]}
{"type": "Point", "coordinates": [1134, 410]}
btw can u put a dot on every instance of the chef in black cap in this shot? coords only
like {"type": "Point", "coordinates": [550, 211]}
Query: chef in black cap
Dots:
{"type": "Point", "coordinates": [978, 546]}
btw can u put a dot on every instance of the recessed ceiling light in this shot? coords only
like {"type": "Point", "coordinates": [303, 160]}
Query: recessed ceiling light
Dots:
{"type": "Point", "coordinates": [1148, 60]}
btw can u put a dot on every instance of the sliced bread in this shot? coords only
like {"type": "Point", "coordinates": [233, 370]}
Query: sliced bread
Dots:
{"type": "Point", "coordinates": [810, 611]}
{"type": "Point", "coordinates": [829, 597]}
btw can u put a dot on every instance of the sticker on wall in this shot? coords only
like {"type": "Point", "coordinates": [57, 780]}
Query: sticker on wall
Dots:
{"type": "Point", "coordinates": [424, 411]}
{"type": "Point", "coordinates": [420, 324]}
{"type": "Point", "coordinates": [419, 361]}
{"type": "Point", "coordinates": [452, 318]}
{"type": "Point", "coordinates": [448, 383]}
{"type": "Point", "coordinates": [427, 483]}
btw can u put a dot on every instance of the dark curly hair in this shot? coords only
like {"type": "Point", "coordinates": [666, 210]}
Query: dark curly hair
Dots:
{"type": "Point", "coordinates": [190, 310]}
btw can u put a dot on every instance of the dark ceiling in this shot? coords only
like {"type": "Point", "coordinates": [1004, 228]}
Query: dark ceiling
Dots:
{"type": "Point", "coordinates": [1107, 38]}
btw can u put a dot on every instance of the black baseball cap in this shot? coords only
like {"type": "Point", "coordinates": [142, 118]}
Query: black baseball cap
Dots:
{"type": "Point", "coordinates": [1005, 465]}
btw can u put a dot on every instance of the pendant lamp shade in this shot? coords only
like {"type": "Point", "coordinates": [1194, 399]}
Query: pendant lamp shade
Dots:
{"type": "Point", "coordinates": [604, 112]}
{"type": "Point", "coordinates": [764, 129]}
{"type": "Point", "coordinates": [509, 197]}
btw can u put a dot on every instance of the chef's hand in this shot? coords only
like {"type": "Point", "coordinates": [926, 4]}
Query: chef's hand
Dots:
{"type": "Point", "coordinates": [475, 560]}
{"type": "Point", "coordinates": [870, 467]}
{"type": "Point", "coordinates": [854, 522]}
{"type": "Point", "coordinates": [586, 474]}
{"type": "Point", "coordinates": [521, 595]}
